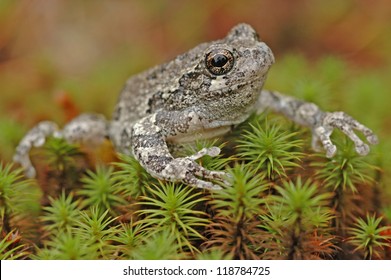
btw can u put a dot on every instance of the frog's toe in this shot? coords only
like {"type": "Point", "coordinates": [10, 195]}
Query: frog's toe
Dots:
{"type": "Point", "coordinates": [30, 172]}
{"type": "Point", "coordinates": [362, 149]}
{"type": "Point", "coordinates": [212, 151]}
{"type": "Point", "coordinates": [212, 175]}
{"type": "Point", "coordinates": [198, 183]}
{"type": "Point", "coordinates": [331, 150]}
{"type": "Point", "coordinates": [25, 162]}
{"type": "Point", "coordinates": [373, 139]}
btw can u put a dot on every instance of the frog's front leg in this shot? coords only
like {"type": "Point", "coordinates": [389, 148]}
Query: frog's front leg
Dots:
{"type": "Point", "coordinates": [149, 146]}
{"type": "Point", "coordinates": [85, 128]}
{"type": "Point", "coordinates": [321, 123]}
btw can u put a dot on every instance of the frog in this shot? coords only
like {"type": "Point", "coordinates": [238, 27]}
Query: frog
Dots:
{"type": "Point", "coordinates": [201, 94]}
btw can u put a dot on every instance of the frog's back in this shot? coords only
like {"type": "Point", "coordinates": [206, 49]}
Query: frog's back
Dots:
{"type": "Point", "coordinates": [149, 91]}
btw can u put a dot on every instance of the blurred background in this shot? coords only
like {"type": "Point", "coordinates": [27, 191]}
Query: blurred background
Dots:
{"type": "Point", "coordinates": [62, 57]}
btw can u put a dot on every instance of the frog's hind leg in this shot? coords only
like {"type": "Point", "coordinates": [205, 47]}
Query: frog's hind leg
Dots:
{"type": "Point", "coordinates": [86, 128]}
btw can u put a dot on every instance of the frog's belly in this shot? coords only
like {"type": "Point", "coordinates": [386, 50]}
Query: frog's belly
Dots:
{"type": "Point", "coordinates": [199, 135]}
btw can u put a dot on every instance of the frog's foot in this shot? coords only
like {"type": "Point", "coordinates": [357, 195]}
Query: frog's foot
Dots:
{"type": "Point", "coordinates": [189, 172]}
{"type": "Point", "coordinates": [36, 137]}
{"type": "Point", "coordinates": [347, 125]}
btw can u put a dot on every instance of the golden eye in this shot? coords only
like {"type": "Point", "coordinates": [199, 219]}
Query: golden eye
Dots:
{"type": "Point", "coordinates": [219, 62]}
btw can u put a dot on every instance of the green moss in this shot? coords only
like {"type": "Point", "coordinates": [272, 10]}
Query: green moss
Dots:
{"type": "Point", "coordinates": [283, 202]}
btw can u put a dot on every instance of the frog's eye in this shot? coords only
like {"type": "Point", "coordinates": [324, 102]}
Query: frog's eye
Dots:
{"type": "Point", "coordinates": [219, 62]}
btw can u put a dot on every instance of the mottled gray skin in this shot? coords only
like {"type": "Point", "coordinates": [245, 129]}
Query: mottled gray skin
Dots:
{"type": "Point", "coordinates": [195, 96]}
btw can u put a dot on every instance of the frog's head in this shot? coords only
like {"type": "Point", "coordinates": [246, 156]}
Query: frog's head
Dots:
{"type": "Point", "coordinates": [225, 73]}
{"type": "Point", "coordinates": [235, 67]}
{"type": "Point", "coordinates": [238, 59]}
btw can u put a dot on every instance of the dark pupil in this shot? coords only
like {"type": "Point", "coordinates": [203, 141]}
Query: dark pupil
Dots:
{"type": "Point", "coordinates": [219, 60]}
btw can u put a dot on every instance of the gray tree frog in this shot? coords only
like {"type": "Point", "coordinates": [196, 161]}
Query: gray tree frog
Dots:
{"type": "Point", "coordinates": [200, 94]}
